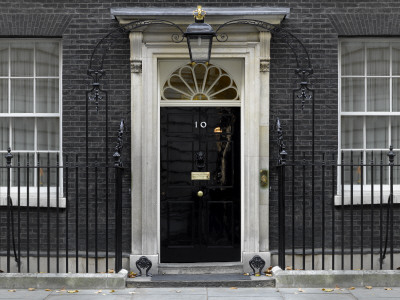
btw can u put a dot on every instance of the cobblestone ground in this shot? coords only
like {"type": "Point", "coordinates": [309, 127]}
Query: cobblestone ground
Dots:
{"type": "Point", "coordinates": [360, 293]}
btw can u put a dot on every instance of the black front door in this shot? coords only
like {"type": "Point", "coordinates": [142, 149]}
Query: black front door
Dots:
{"type": "Point", "coordinates": [200, 184]}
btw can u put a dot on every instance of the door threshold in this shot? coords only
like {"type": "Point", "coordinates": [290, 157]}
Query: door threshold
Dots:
{"type": "Point", "coordinates": [201, 268]}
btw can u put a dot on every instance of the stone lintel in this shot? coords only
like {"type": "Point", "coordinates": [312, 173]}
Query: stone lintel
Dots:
{"type": "Point", "coordinates": [215, 15]}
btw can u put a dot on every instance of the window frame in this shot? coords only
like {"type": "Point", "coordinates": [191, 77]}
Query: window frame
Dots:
{"type": "Point", "coordinates": [35, 151]}
{"type": "Point", "coordinates": [366, 186]}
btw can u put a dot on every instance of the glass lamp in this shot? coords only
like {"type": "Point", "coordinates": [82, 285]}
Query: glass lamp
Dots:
{"type": "Point", "coordinates": [199, 36]}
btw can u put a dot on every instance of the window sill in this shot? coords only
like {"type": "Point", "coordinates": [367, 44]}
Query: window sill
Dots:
{"type": "Point", "coordinates": [33, 200]}
{"type": "Point", "coordinates": [367, 198]}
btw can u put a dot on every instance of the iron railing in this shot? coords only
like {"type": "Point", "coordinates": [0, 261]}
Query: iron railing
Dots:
{"type": "Point", "coordinates": [338, 213]}
{"type": "Point", "coordinates": [52, 221]}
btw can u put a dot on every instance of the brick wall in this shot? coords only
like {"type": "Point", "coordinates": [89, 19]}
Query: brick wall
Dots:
{"type": "Point", "coordinates": [316, 23]}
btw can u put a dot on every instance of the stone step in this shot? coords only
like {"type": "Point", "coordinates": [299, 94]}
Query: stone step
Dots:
{"type": "Point", "coordinates": [200, 280]}
{"type": "Point", "coordinates": [201, 268]}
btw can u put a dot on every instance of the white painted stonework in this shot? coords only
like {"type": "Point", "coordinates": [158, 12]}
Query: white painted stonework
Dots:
{"type": "Point", "coordinates": [252, 48]}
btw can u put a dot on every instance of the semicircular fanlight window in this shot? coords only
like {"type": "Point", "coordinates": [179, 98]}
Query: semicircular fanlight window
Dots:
{"type": "Point", "coordinates": [200, 82]}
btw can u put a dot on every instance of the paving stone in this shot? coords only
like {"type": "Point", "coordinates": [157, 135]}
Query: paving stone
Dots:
{"type": "Point", "coordinates": [24, 294]}
{"type": "Point", "coordinates": [120, 291]}
{"type": "Point", "coordinates": [168, 297]}
{"type": "Point", "coordinates": [376, 292]}
{"type": "Point", "coordinates": [311, 291]}
{"type": "Point", "coordinates": [254, 292]}
{"type": "Point", "coordinates": [90, 292]}
{"type": "Point", "coordinates": [89, 297]}
{"type": "Point", "coordinates": [378, 298]}
{"type": "Point", "coordinates": [326, 296]}
{"type": "Point", "coordinates": [243, 298]}
{"type": "Point", "coordinates": [173, 291]}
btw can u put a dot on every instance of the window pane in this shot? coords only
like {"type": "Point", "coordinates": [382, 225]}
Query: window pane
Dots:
{"type": "Point", "coordinates": [23, 159]}
{"type": "Point", "coordinates": [48, 162]}
{"type": "Point", "coordinates": [378, 59]}
{"type": "Point", "coordinates": [3, 95]}
{"type": "Point", "coordinates": [47, 59]}
{"type": "Point", "coordinates": [23, 130]}
{"type": "Point", "coordinates": [48, 133]}
{"type": "Point", "coordinates": [352, 132]}
{"type": "Point", "coordinates": [396, 94]}
{"type": "Point", "coordinates": [21, 59]}
{"type": "Point", "coordinates": [47, 96]}
{"type": "Point", "coordinates": [377, 156]}
{"type": "Point", "coordinates": [3, 171]}
{"type": "Point", "coordinates": [353, 98]}
{"type": "Point", "coordinates": [396, 59]}
{"type": "Point", "coordinates": [4, 60]}
{"type": "Point", "coordinates": [377, 132]}
{"type": "Point", "coordinates": [378, 94]}
{"type": "Point", "coordinates": [356, 178]}
{"type": "Point", "coordinates": [353, 58]}
{"type": "Point", "coordinates": [395, 132]}
{"type": "Point", "coordinates": [396, 169]}
{"type": "Point", "coordinates": [4, 134]}
{"type": "Point", "coordinates": [22, 95]}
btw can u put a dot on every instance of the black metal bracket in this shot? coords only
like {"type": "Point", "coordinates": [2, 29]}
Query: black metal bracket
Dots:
{"type": "Point", "coordinates": [257, 263]}
{"type": "Point", "coordinates": [144, 263]}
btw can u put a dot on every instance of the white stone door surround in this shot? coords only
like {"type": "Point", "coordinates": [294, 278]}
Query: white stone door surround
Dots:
{"type": "Point", "coordinates": [148, 46]}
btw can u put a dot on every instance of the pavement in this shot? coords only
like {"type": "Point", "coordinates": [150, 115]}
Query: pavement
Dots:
{"type": "Point", "coordinates": [360, 293]}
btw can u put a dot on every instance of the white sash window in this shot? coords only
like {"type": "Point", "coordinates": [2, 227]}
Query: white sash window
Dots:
{"type": "Point", "coordinates": [30, 107]}
{"type": "Point", "coordinates": [369, 108]}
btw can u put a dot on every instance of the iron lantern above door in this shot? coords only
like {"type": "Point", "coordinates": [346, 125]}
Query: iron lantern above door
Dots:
{"type": "Point", "coordinates": [199, 36]}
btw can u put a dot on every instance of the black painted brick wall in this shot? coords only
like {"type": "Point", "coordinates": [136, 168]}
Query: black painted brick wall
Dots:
{"type": "Point", "coordinates": [316, 23]}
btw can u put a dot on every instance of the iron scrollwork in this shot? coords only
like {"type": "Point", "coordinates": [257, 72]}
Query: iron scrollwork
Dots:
{"type": "Point", "coordinates": [96, 70]}
{"type": "Point", "coordinates": [303, 63]}
{"type": "Point", "coordinates": [96, 94]}
{"type": "Point", "coordinates": [118, 146]}
{"type": "Point", "coordinates": [281, 143]}
{"type": "Point", "coordinates": [304, 93]}
{"type": "Point", "coordinates": [299, 50]}
{"type": "Point", "coordinates": [96, 65]}
{"type": "Point", "coordinates": [257, 263]}
{"type": "Point", "coordinates": [144, 263]}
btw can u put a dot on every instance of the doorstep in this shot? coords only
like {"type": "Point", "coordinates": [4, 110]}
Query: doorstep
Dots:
{"type": "Point", "coordinates": [200, 280]}
{"type": "Point", "coordinates": [200, 268]}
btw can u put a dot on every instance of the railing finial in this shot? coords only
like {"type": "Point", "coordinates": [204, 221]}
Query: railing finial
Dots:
{"type": "Point", "coordinates": [9, 157]}
{"type": "Point", "coordinates": [391, 155]}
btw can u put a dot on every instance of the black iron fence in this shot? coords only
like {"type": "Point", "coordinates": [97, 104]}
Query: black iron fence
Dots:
{"type": "Point", "coordinates": [60, 214]}
{"type": "Point", "coordinates": [339, 211]}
